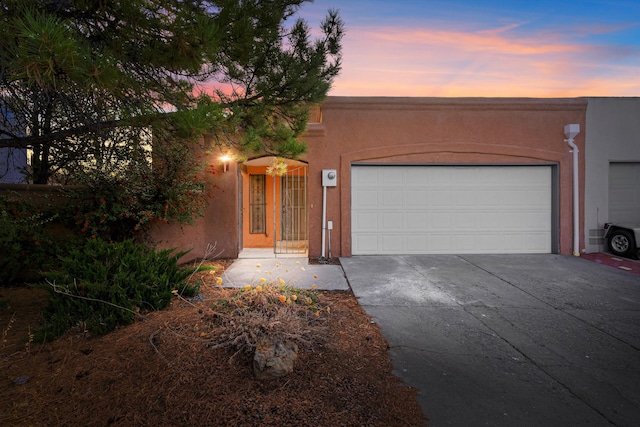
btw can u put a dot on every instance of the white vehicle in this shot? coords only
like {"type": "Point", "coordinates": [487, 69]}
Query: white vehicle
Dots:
{"type": "Point", "coordinates": [622, 239]}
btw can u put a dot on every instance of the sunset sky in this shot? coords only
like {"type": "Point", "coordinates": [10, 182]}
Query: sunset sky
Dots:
{"type": "Point", "coordinates": [487, 48]}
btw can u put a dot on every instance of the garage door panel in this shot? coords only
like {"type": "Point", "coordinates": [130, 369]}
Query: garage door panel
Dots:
{"type": "Point", "coordinates": [467, 176]}
{"type": "Point", "coordinates": [391, 199]}
{"type": "Point", "coordinates": [440, 198]}
{"type": "Point", "coordinates": [416, 176]}
{"type": "Point", "coordinates": [391, 221]}
{"type": "Point", "coordinates": [427, 209]}
{"type": "Point", "coordinates": [622, 196]}
{"type": "Point", "coordinates": [464, 198]}
{"type": "Point", "coordinates": [623, 173]}
{"type": "Point", "coordinates": [417, 244]}
{"type": "Point", "coordinates": [511, 221]}
{"type": "Point", "coordinates": [537, 242]}
{"type": "Point", "coordinates": [464, 242]}
{"type": "Point", "coordinates": [489, 220]}
{"type": "Point", "coordinates": [537, 220]}
{"type": "Point", "coordinates": [365, 222]}
{"type": "Point", "coordinates": [415, 199]}
{"type": "Point", "coordinates": [392, 243]}
{"type": "Point", "coordinates": [440, 220]}
{"type": "Point", "coordinates": [624, 192]}
{"type": "Point", "coordinates": [464, 220]}
{"type": "Point", "coordinates": [513, 242]}
{"type": "Point", "coordinates": [390, 177]}
{"type": "Point", "coordinates": [365, 178]}
{"type": "Point", "coordinates": [489, 242]}
{"type": "Point", "coordinates": [417, 221]}
{"type": "Point", "coordinates": [538, 197]}
{"type": "Point", "coordinates": [439, 243]}
{"type": "Point", "coordinates": [365, 199]}
{"type": "Point", "coordinates": [365, 244]}
{"type": "Point", "coordinates": [492, 197]}
{"type": "Point", "coordinates": [515, 198]}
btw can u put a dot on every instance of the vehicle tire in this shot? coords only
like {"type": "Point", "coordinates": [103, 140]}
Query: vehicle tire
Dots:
{"type": "Point", "coordinates": [621, 243]}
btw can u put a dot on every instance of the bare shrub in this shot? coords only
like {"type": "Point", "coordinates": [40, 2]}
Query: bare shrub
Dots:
{"type": "Point", "coordinates": [243, 317]}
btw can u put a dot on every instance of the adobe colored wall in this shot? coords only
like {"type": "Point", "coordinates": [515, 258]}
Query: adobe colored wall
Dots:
{"type": "Point", "coordinates": [437, 131]}
{"type": "Point", "coordinates": [218, 226]}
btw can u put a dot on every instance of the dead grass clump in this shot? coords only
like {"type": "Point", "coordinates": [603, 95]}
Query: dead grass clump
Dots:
{"type": "Point", "coordinates": [244, 317]}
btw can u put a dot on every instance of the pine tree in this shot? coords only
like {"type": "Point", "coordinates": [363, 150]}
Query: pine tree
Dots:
{"type": "Point", "coordinates": [91, 81]}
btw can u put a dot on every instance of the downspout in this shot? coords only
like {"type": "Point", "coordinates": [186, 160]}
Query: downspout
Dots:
{"type": "Point", "coordinates": [570, 131]}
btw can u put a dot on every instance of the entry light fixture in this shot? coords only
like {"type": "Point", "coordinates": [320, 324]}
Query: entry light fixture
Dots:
{"type": "Point", "coordinates": [225, 162]}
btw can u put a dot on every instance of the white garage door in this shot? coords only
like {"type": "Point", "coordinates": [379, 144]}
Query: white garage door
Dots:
{"type": "Point", "coordinates": [624, 193]}
{"type": "Point", "coordinates": [450, 209]}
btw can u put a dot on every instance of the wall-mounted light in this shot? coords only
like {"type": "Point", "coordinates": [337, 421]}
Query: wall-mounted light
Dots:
{"type": "Point", "coordinates": [225, 162]}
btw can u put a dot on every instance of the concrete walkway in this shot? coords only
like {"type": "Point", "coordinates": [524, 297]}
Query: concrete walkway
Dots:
{"type": "Point", "coordinates": [522, 340]}
{"type": "Point", "coordinates": [294, 271]}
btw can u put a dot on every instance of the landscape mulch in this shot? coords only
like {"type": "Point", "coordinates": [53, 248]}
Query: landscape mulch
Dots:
{"type": "Point", "coordinates": [160, 371]}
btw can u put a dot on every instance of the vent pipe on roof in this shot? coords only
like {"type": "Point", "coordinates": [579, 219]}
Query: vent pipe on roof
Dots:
{"type": "Point", "coordinates": [570, 131]}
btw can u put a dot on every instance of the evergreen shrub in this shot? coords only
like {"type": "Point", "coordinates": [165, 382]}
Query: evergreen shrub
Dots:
{"type": "Point", "coordinates": [103, 285]}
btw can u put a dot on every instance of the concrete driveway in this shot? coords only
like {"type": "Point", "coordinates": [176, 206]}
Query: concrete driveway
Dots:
{"type": "Point", "coordinates": [517, 340]}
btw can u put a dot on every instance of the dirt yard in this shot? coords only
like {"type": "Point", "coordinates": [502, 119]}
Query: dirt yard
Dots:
{"type": "Point", "coordinates": [160, 372]}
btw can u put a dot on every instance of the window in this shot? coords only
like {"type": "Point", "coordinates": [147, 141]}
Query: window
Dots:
{"type": "Point", "coordinates": [257, 204]}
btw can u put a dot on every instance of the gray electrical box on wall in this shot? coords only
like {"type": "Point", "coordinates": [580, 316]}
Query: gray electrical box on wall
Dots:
{"type": "Point", "coordinates": [329, 178]}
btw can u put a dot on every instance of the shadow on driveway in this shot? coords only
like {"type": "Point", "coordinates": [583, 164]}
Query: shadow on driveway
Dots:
{"type": "Point", "coordinates": [508, 340]}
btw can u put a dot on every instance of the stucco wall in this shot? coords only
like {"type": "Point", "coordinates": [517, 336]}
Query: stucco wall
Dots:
{"type": "Point", "coordinates": [436, 131]}
{"type": "Point", "coordinates": [612, 135]}
{"type": "Point", "coordinates": [218, 226]}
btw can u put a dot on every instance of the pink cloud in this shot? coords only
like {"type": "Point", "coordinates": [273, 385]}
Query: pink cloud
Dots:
{"type": "Point", "coordinates": [496, 41]}
{"type": "Point", "coordinates": [504, 61]}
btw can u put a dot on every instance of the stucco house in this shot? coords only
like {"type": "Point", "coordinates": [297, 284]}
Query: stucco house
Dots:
{"type": "Point", "coordinates": [412, 176]}
{"type": "Point", "coordinates": [386, 175]}
{"type": "Point", "coordinates": [612, 156]}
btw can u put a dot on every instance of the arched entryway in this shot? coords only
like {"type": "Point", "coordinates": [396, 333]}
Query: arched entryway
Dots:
{"type": "Point", "coordinates": [273, 211]}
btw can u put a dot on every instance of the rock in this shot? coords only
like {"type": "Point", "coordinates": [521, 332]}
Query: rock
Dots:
{"type": "Point", "coordinates": [274, 359]}
{"type": "Point", "coordinates": [21, 380]}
